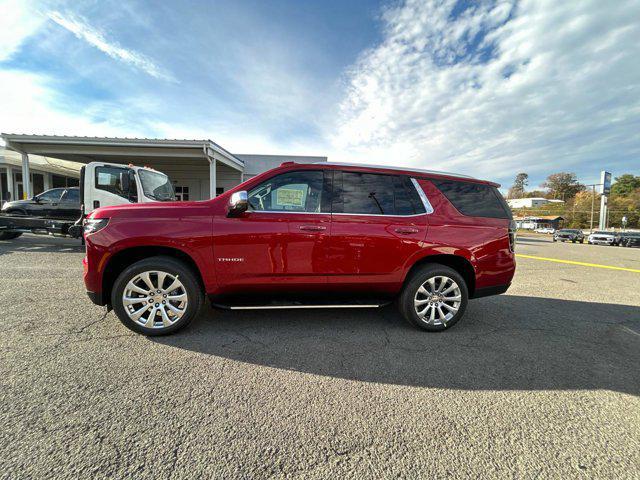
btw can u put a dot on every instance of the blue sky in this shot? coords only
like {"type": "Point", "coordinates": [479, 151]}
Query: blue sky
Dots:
{"type": "Point", "coordinates": [483, 88]}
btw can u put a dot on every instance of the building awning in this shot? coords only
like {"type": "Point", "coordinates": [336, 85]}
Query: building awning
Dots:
{"type": "Point", "coordinates": [119, 150]}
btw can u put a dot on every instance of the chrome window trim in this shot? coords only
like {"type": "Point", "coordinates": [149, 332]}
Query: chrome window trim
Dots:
{"type": "Point", "coordinates": [335, 213]}
{"type": "Point", "coordinates": [423, 196]}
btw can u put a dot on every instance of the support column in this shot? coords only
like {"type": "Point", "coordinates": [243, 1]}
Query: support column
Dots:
{"type": "Point", "coordinates": [212, 178]}
{"type": "Point", "coordinates": [47, 181]}
{"type": "Point", "coordinates": [602, 224]}
{"type": "Point", "coordinates": [26, 177]}
{"type": "Point", "coordinates": [10, 184]}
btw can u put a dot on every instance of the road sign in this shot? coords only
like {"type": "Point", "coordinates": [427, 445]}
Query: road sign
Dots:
{"type": "Point", "coordinates": [605, 180]}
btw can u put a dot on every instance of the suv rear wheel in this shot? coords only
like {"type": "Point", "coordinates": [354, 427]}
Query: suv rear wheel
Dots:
{"type": "Point", "coordinates": [434, 298]}
{"type": "Point", "coordinates": [156, 296]}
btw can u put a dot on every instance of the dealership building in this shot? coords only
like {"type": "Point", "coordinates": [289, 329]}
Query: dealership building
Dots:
{"type": "Point", "coordinates": [199, 169]}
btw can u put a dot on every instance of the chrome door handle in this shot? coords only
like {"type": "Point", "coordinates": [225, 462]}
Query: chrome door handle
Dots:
{"type": "Point", "coordinates": [312, 228]}
{"type": "Point", "coordinates": [406, 230]}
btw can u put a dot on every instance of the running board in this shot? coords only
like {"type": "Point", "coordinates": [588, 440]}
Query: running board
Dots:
{"type": "Point", "coordinates": [282, 307]}
{"type": "Point", "coordinates": [295, 305]}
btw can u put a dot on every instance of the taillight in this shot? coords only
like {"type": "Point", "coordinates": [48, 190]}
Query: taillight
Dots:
{"type": "Point", "coordinates": [512, 235]}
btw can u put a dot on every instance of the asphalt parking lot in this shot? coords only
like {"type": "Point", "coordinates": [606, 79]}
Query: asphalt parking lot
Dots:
{"type": "Point", "coordinates": [541, 382]}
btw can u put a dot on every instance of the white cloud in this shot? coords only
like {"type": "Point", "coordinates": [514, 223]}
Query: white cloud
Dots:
{"type": "Point", "coordinates": [30, 108]}
{"type": "Point", "coordinates": [426, 97]}
{"type": "Point", "coordinates": [18, 20]}
{"type": "Point", "coordinates": [81, 29]}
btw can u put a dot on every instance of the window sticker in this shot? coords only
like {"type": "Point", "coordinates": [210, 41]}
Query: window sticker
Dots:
{"type": "Point", "coordinates": [290, 197]}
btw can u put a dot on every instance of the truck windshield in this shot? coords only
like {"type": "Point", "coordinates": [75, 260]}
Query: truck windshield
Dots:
{"type": "Point", "coordinates": [157, 186]}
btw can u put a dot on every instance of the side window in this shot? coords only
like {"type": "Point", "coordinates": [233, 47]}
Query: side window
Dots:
{"type": "Point", "coordinates": [407, 200]}
{"type": "Point", "coordinates": [109, 179]}
{"type": "Point", "coordinates": [474, 199]}
{"type": "Point", "coordinates": [71, 196]}
{"type": "Point", "coordinates": [289, 192]}
{"type": "Point", "coordinates": [51, 195]}
{"type": "Point", "coordinates": [367, 193]}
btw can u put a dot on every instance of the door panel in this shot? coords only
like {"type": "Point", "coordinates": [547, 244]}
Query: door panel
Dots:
{"type": "Point", "coordinates": [271, 251]}
{"type": "Point", "coordinates": [371, 251]}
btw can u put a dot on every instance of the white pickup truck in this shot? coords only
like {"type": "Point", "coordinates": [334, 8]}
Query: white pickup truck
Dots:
{"type": "Point", "coordinates": [101, 184]}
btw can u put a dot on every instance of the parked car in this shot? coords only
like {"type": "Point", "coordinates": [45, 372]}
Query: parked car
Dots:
{"type": "Point", "coordinates": [602, 238]}
{"type": "Point", "coordinates": [63, 203]}
{"type": "Point", "coordinates": [632, 239]}
{"type": "Point", "coordinates": [306, 236]}
{"type": "Point", "coordinates": [618, 237]}
{"type": "Point", "coordinates": [546, 230]}
{"type": "Point", "coordinates": [568, 234]}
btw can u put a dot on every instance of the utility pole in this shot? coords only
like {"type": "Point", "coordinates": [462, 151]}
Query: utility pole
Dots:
{"type": "Point", "coordinates": [593, 201]}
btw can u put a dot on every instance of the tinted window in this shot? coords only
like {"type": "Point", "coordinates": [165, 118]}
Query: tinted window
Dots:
{"type": "Point", "coordinates": [50, 195]}
{"type": "Point", "coordinates": [72, 196]}
{"type": "Point", "coordinates": [474, 199]}
{"type": "Point", "coordinates": [367, 193]}
{"type": "Point", "coordinates": [289, 192]}
{"type": "Point", "coordinates": [406, 198]}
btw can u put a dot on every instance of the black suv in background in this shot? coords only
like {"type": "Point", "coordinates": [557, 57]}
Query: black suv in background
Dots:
{"type": "Point", "coordinates": [54, 203]}
{"type": "Point", "coordinates": [568, 234]}
{"type": "Point", "coordinates": [630, 239]}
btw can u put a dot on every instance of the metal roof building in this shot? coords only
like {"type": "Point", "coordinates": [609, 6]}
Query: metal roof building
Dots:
{"type": "Point", "coordinates": [199, 169]}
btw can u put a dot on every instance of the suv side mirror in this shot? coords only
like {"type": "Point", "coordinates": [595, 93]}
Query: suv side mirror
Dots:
{"type": "Point", "coordinates": [238, 203]}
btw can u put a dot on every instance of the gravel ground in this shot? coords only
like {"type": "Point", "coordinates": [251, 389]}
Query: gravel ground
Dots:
{"type": "Point", "coordinates": [541, 382]}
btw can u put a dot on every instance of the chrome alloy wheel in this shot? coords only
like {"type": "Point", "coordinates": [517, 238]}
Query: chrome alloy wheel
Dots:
{"type": "Point", "coordinates": [437, 300]}
{"type": "Point", "coordinates": [155, 299]}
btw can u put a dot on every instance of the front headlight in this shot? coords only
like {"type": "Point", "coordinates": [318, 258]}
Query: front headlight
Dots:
{"type": "Point", "coordinates": [93, 225]}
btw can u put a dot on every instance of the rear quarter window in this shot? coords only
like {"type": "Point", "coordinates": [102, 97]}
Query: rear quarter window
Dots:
{"type": "Point", "coordinates": [474, 199]}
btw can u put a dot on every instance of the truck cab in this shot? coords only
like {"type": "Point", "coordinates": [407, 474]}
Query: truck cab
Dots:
{"type": "Point", "coordinates": [108, 184]}
{"type": "Point", "coordinates": [61, 211]}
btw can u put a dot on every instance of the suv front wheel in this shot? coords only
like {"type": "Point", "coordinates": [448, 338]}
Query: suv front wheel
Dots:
{"type": "Point", "coordinates": [434, 298]}
{"type": "Point", "coordinates": [156, 296]}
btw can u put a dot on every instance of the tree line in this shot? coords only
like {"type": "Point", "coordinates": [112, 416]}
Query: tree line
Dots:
{"type": "Point", "coordinates": [623, 201]}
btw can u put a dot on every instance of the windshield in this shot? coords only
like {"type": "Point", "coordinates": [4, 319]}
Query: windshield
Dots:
{"type": "Point", "coordinates": [156, 186]}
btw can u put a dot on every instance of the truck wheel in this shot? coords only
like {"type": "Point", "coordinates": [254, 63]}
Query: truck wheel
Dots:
{"type": "Point", "coordinates": [434, 298]}
{"type": "Point", "coordinates": [156, 296]}
{"type": "Point", "coordinates": [9, 235]}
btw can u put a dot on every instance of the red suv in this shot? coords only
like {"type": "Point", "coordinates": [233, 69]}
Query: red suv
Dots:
{"type": "Point", "coordinates": [306, 236]}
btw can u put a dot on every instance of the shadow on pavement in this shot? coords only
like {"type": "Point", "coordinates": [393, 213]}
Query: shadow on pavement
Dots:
{"type": "Point", "coordinates": [503, 343]}
{"type": "Point", "coordinates": [41, 243]}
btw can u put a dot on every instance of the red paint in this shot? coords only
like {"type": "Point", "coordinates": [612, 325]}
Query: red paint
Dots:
{"type": "Point", "coordinates": [293, 251]}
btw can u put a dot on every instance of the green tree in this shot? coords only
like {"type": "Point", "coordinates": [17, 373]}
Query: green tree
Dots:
{"type": "Point", "coordinates": [519, 185]}
{"type": "Point", "coordinates": [625, 184]}
{"type": "Point", "coordinates": [563, 185]}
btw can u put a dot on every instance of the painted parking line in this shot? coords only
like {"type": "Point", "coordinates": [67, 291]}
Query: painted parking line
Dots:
{"type": "Point", "coordinates": [584, 264]}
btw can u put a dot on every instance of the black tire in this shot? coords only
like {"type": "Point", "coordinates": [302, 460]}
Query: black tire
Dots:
{"type": "Point", "coordinates": [171, 266]}
{"type": "Point", "coordinates": [9, 235]}
{"type": "Point", "coordinates": [417, 279]}
{"type": "Point", "coordinates": [555, 239]}
{"type": "Point", "coordinates": [582, 240]}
